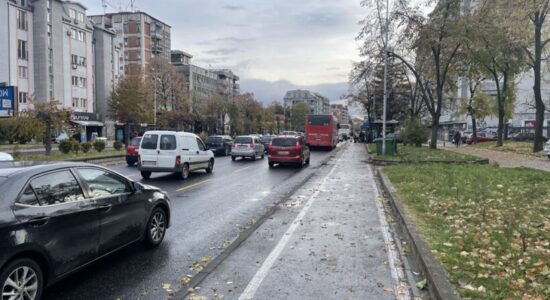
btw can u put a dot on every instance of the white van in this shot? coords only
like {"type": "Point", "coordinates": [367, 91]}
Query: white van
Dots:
{"type": "Point", "coordinates": [171, 151]}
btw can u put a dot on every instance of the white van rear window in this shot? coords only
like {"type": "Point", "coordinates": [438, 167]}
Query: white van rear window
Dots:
{"type": "Point", "coordinates": [149, 141]}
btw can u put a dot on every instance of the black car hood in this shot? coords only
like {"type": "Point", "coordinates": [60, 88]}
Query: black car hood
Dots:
{"type": "Point", "coordinates": [150, 187]}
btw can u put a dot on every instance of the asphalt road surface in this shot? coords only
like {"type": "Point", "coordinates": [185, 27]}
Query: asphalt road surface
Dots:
{"type": "Point", "coordinates": [208, 212]}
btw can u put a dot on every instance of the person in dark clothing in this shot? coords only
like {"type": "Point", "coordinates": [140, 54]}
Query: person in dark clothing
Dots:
{"type": "Point", "coordinates": [456, 138]}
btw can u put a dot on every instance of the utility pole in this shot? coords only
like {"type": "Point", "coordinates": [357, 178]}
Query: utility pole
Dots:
{"type": "Point", "coordinates": [385, 78]}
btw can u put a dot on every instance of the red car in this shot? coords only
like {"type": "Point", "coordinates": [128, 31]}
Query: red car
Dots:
{"type": "Point", "coordinates": [481, 137]}
{"type": "Point", "coordinates": [132, 151]}
{"type": "Point", "coordinates": [288, 150]}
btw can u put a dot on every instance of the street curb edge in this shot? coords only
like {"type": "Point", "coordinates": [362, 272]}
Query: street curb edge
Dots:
{"type": "Point", "coordinates": [439, 286]}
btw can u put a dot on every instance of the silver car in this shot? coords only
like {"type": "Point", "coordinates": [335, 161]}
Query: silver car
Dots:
{"type": "Point", "coordinates": [547, 149]}
{"type": "Point", "coordinates": [5, 156]}
{"type": "Point", "coordinates": [247, 146]}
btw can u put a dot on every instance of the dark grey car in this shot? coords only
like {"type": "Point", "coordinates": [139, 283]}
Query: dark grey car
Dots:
{"type": "Point", "coordinates": [56, 218]}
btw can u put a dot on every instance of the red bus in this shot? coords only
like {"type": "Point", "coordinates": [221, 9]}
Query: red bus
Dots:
{"type": "Point", "coordinates": [321, 131]}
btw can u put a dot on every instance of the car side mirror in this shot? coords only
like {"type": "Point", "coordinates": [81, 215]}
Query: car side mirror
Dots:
{"type": "Point", "coordinates": [136, 186]}
{"type": "Point", "coordinates": [207, 147]}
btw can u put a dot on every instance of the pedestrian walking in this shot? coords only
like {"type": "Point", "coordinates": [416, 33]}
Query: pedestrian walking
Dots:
{"type": "Point", "coordinates": [456, 138]}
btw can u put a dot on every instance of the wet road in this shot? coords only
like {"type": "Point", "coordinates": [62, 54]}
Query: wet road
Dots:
{"type": "Point", "coordinates": [208, 212]}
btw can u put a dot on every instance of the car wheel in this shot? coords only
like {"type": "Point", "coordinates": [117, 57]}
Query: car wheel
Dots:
{"type": "Point", "coordinates": [130, 163]}
{"type": "Point", "coordinates": [307, 160]}
{"type": "Point", "coordinates": [226, 151]}
{"type": "Point", "coordinates": [145, 174]}
{"type": "Point", "coordinates": [254, 156]}
{"type": "Point", "coordinates": [271, 165]}
{"type": "Point", "coordinates": [548, 156]}
{"type": "Point", "coordinates": [263, 155]}
{"type": "Point", "coordinates": [156, 227]}
{"type": "Point", "coordinates": [22, 279]}
{"type": "Point", "coordinates": [233, 158]}
{"type": "Point", "coordinates": [301, 163]}
{"type": "Point", "coordinates": [185, 171]}
{"type": "Point", "coordinates": [210, 166]}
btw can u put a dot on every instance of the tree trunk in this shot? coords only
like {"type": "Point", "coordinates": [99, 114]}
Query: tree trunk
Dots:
{"type": "Point", "coordinates": [126, 135]}
{"type": "Point", "coordinates": [474, 130]}
{"type": "Point", "coordinates": [538, 144]}
{"type": "Point", "coordinates": [48, 141]}
{"type": "Point", "coordinates": [500, 130]}
{"type": "Point", "coordinates": [435, 128]}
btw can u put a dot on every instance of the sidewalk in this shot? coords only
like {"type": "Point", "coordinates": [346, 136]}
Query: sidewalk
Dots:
{"type": "Point", "coordinates": [503, 159]}
{"type": "Point", "coordinates": [331, 240]}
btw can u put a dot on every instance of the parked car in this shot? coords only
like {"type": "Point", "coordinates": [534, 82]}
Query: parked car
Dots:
{"type": "Point", "coordinates": [481, 137]}
{"type": "Point", "coordinates": [266, 140]}
{"type": "Point", "coordinates": [132, 151]}
{"type": "Point", "coordinates": [247, 146]}
{"type": "Point", "coordinates": [171, 151]}
{"type": "Point", "coordinates": [547, 149]}
{"type": "Point", "coordinates": [5, 156]}
{"type": "Point", "coordinates": [219, 144]}
{"type": "Point", "coordinates": [526, 136]}
{"type": "Point", "coordinates": [293, 133]}
{"type": "Point", "coordinates": [56, 218]}
{"type": "Point", "coordinates": [288, 150]}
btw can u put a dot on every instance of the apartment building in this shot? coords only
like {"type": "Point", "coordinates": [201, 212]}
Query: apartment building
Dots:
{"type": "Point", "coordinates": [227, 83]}
{"type": "Point", "coordinates": [141, 38]}
{"type": "Point", "coordinates": [17, 62]}
{"type": "Point", "coordinates": [202, 82]}
{"type": "Point", "coordinates": [341, 112]}
{"type": "Point", "coordinates": [318, 104]}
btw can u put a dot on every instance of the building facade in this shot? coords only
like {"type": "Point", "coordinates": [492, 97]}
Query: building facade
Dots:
{"type": "Point", "coordinates": [318, 104]}
{"type": "Point", "coordinates": [227, 83]}
{"type": "Point", "coordinates": [141, 38]}
{"type": "Point", "coordinates": [201, 82]}
{"type": "Point", "coordinates": [341, 112]}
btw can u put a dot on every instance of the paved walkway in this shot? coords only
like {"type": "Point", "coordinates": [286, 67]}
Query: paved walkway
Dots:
{"type": "Point", "coordinates": [330, 241]}
{"type": "Point", "coordinates": [503, 159]}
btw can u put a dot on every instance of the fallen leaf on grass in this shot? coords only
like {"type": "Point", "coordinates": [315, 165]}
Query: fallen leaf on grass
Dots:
{"type": "Point", "coordinates": [185, 280]}
{"type": "Point", "coordinates": [166, 286]}
{"type": "Point", "coordinates": [388, 290]}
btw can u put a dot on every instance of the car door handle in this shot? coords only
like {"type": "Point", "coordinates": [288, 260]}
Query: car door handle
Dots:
{"type": "Point", "coordinates": [158, 151]}
{"type": "Point", "coordinates": [38, 221]}
{"type": "Point", "coordinates": [197, 151]}
{"type": "Point", "coordinates": [106, 207]}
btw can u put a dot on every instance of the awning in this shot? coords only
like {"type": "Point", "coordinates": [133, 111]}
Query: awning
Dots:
{"type": "Point", "coordinates": [88, 123]}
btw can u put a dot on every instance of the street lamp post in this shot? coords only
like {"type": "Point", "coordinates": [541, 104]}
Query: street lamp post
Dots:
{"type": "Point", "coordinates": [385, 78]}
{"type": "Point", "coordinates": [155, 103]}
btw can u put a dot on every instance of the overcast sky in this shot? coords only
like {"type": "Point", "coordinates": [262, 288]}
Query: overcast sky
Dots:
{"type": "Point", "coordinates": [307, 42]}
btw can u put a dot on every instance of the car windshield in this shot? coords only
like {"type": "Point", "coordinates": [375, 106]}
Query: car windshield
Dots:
{"type": "Point", "coordinates": [135, 142]}
{"type": "Point", "coordinates": [214, 139]}
{"type": "Point", "coordinates": [284, 142]}
{"type": "Point", "coordinates": [243, 140]}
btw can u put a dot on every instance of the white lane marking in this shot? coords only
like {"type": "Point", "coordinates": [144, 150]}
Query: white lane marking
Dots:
{"type": "Point", "coordinates": [260, 275]}
{"type": "Point", "coordinates": [401, 290]}
{"type": "Point", "coordinates": [240, 169]}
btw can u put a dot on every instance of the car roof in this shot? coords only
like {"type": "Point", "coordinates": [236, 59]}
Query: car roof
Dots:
{"type": "Point", "coordinates": [180, 133]}
{"type": "Point", "coordinates": [286, 136]}
{"type": "Point", "coordinates": [11, 168]}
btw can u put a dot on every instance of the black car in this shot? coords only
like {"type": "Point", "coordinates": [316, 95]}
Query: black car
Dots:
{"type": "Point", "coordinates": [56, 218]}
{"type": "Point", "coordinates": [219, 144]}
{"type": "Point", "coordinates": [526, 136]}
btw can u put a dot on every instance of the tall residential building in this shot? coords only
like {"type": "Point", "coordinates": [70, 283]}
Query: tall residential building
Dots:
{"type": "Point", "coordinates": [341, 112]}
{"type": "Point", "coordinates": [17, 62]}
{"type": "Point", "coordinates": [227, 83]}
{"type": "Point", "coordinates": [141, 38]}
{"type": "Point", "coordinates": [318, 104]}
{"type": "Point", "coordinates": [202, 82]}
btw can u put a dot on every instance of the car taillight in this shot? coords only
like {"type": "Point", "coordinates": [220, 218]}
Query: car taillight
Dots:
{"type": "Point", "coordinates": [250, 145]}
{"type": "Point", "coordinates": [298, 146]}
{"type": "Point", "coordinates": [178, 160]}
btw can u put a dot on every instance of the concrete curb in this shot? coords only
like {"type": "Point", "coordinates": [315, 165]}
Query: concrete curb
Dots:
{"type": "Point", "coordinates": [438, 286]}
{"type": "Point", "coordinates": [381, 162]}
{"type": "Point", "coordinates": [183, 292]}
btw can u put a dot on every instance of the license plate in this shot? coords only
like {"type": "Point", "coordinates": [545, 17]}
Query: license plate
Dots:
{"type": "Point", "coordinates": [283, 152]}
{"type": "Point", "coordinates": [149, 163]}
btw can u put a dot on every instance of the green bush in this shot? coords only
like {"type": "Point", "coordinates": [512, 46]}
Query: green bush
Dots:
{"type": "Point", "coordinates": [99, 145]}
{"type": "Point", "coordinates": [117, 145]}
{"type": "Point", "coordinates": [415, 133]}
{"type": "Point", "coordinates": [86, 147]}
{"type": "Point", "coordinates": [75, 146]}
{"type": "Point", "coordinates": [65, 146]}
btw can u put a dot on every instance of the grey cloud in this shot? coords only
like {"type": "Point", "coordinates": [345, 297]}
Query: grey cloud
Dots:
{"type": "Point", "coordinates": [221, 51]}
{"type": "Point", "coordinates": [236, 39]}
{"type": "Point", "coordinates": [233, 7]}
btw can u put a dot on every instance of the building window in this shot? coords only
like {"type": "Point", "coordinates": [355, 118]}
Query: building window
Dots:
{"type": "Point", "coordinates": [22, 50]}
{"type": "Point", "coordinates": [78, 60]}
{"type": "Point", "coordinates": [72, 13]}
{"type": "Point", "coordinates": [81, 35]}
{"type": "Point", "coordinates": [125, 27]}
{"type": "Point", "coordinates": [22, 72]}
{"type": "Point", "coordinates": [80, 17]}
{"type": "Point", "coordinates": [22, 97]}
{"type": "Point", "coordinates": [22, 20]}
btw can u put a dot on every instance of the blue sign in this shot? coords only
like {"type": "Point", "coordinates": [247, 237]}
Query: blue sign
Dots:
{"type": "Point", "coordinates": [365, 125]}
{"type": "Point", "coordinates": [7, 101]}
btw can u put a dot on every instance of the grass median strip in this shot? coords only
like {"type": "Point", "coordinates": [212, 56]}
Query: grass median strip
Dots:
{"type": "Point", "coordinates": [192, 185]}
{"type": "Point", "coordinates": [422, 154]}
{"type": "Point", "coordinates": [525, 148]}
{"type": "Point", "coordinates": [489, 227]}
{"type": "Point", "coordinates": [61, 156]}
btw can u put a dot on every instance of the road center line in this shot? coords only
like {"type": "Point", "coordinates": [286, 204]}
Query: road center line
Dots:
{"type": "Point", "coordinates": [192, 185]}
{"type": "Point", "coordinates": [260, 275]}
{"type": "Point", "coordinates": [240, 169]}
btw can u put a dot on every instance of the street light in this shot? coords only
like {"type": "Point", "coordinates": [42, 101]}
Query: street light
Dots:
{"type": "Point", "coordinates": [385, 78]}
